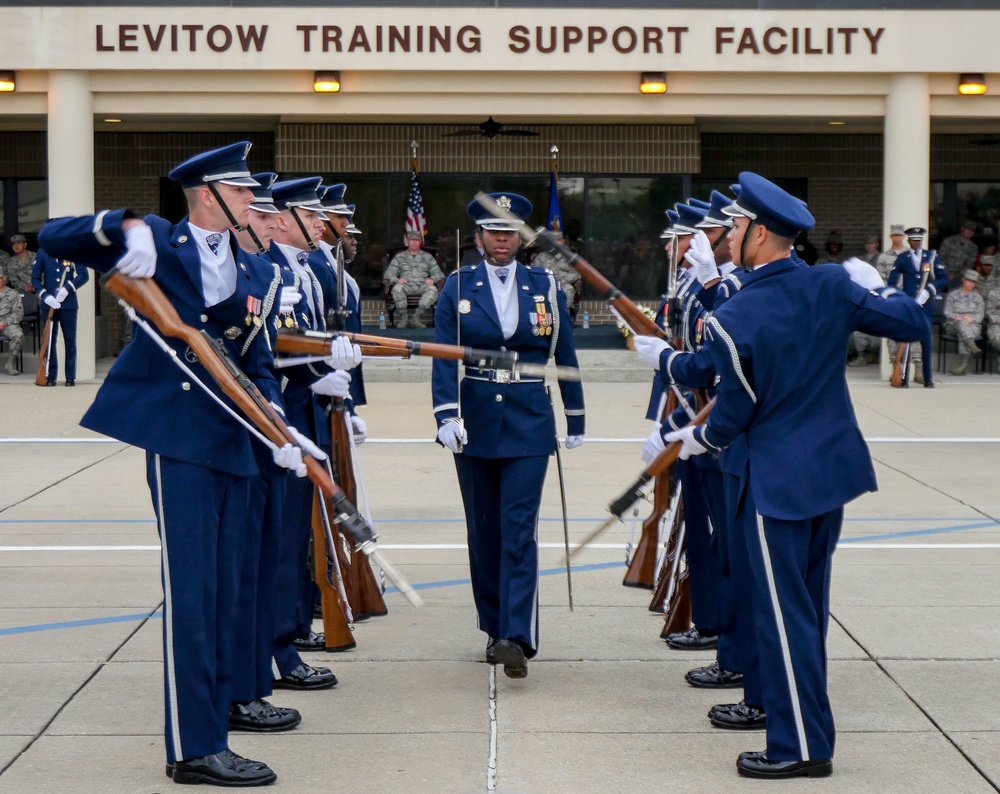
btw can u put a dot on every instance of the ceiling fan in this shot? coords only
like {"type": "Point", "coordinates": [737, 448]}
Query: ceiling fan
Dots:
{"type": "Point", "coordinates": [490, 129]}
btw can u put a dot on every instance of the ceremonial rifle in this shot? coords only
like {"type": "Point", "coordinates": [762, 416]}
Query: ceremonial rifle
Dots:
{"type": "Point", "coordinates": [42, 376]}
{"type": "Point", "coordinates": [901, 370]}
{"type": "Point", "coordinates": [673, 590]}
{"type": "Point", "coordinates": [146, 297]}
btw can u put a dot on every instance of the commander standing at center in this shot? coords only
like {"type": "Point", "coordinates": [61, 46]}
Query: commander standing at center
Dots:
{"type": "Point", "coordinates": [501, 426]}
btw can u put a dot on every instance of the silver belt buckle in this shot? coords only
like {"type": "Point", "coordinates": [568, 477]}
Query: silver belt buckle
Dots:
{"type": "Point", "coordinates": [503, 375]}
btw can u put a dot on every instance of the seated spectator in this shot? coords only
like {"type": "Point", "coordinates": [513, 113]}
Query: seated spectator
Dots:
{"type": "Point", "coordinates": [569, 278]}
{"type": "Point", "coordinates": [958, 252]}
{"type": "Point", "coordinates": [11, 313]}
{"type": "Point", "coordinates": [963, 318]}
{"type": "Point", "coordinates": [988, 257]}
{"type": "Point", "coordinates": [804, 249]}
{"type": "Point", "coordinates": [413, 272]}
{"type": "Point", "coordinates": [872, 250]}
{"type": "Point", "coordinates": [19, 264]}
{"type": "Point", "coordinates": [834, 249]}
{"type": "Point", "coordinates": [474, 255]}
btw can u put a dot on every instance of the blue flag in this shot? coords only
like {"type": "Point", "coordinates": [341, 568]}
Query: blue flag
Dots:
{"type": "Point", "coordinates": [555, 213]}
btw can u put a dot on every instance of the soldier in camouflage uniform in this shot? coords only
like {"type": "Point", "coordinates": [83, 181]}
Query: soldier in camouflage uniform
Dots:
{"type": "Point", "coordinates": [993, 321]}
{"type": "Point", "coordinates": [963, 317]}
{"type": "Point", "coordinates": [887, 259]}
{"type": "Point", "coordinates": [11, 314]}
{"type": "Point", "coordinates": [871, 253]}
{"type": "Point", "coordinates": [413, 272]}
{"type": "Point", "coordinates": [958, 252]}
{"type": "Point", "coordinates": [19, 265]}
{"type": "Point", "coordinates": [569, 279]}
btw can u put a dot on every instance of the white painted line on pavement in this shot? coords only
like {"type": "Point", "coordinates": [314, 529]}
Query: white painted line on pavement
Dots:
{"type": "Point", "coordinates": [872, 440]}
{"type": "Point", "coordinates": [491, 762]}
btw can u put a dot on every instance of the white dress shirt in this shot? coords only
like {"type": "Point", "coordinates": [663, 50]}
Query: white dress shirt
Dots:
{"type": "Point", "coordinates": [218, 268]}
{"type": "Point", "coordinates": [505, 298]}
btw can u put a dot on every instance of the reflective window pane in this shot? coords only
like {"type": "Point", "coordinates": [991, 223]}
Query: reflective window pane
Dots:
{"type": "Point", "coordinates": [32, 205]}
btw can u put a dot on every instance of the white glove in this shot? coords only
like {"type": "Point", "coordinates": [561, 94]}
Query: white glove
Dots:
{"type": "Point", "coordinates": [689, 446]}
{"type": "Point", "coordinates": [863, 274]}
{"type": "Point", "coordinates": [452, 434]}
{"type": "Point", "coordinates": [334, 384]}
{"type": "Point", "coordinates": [289, 457]}
{"type": "Point", "coordinates": [572, 442]}
{"type": "Point", "coordinates": [62, 294]}
{"type": "Point", "coordinates": [922, 297]}
{"type": "Point", "coordinates": [343, 355]}
{"type": "Point", "coordinates": [702, 260]}
{"type": "Point", "coordinates": [51, 301]}
{"type": "Point", "coordinates": [649, 349]}
{"type": "Point", "coordinates": [139, 260]}
{"type": "Point", "coordinates": [307, 444]}
{"type": "Point", "coordinates": [652, 447]}
{"type": "Point", "coordinates": [288, 298]}
{"type": "Point", "coordinates": [360, 429]}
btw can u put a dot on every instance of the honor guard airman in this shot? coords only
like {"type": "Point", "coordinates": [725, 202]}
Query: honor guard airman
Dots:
{"type": "Point", "coordinates": [56, 282]}
{"type": "Point", "coordinates": [500, 425]}
{"type": "Point", "coordinates": [792, 403]}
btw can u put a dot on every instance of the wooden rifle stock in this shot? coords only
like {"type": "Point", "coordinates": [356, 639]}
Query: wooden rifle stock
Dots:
{"type": "Point", "coordinates": [663, 575]}
{"type": "Point", "coordinates": [336, 628]}
{"type": "Point", "coordinates": [898, 379]}
{"type": "Point", "coordinates": [146, 297]}
{"type": "Point", "coordinates": [42, 376]}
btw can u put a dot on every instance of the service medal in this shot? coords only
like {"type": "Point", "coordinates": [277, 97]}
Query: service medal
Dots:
{"type": "Point", "coordinates": [464, 306]}
{"type": "Point", "coordinates": [289, 321]}
{"type": "Point", "coordinates": [249, 319]}
{"type": "Point", "coordinates": [233, 333]}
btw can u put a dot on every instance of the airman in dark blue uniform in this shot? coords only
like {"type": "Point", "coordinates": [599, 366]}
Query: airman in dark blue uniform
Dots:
{"type": "Point", "coordinates": [200, 461]}
{"type": "Point", "coordinates": [501, 425]}
{"type": "Point", "coordinates": [807, 456]}
{"type": "Point", "coordinates": [56, 282]}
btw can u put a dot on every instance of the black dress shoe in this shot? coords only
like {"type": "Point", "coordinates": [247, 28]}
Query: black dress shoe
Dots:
{"type": "Point", "coordinates": [692, 640]}
{"type": "Point", "coordinates": [510, 654]}
{"type": "Point", "coordinates": [50, 382]}
{"type": "Point", "coordinates": [71, 382]}
{"type": "Point", "coordinates": [491, 647]}
{"type": "Point", "coordinates": [758, 765]}
{"type": "Point", "coordinates": [714, 677]}
{"type": "Point", "coordinates": [928, 384]}
{"type": "Point", "coordinates": [311, 642]}
{"type": "Point", "coordinates": [222, 769]}
{"type": "Point", "coordinates": [738, 717]}
{"type": "Point", "coordinates": [318, 611]}
{"type": "Point", "coordinates": [261, 717]}
{"type": "Point", "coordinates": [306, 676]}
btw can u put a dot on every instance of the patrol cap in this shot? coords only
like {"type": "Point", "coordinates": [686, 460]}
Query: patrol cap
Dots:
{"type": "Point", "coordinates": [298, 193]}
{"type": "Point", "coordinates": [413, 234]}
{"type": "Point", "coordinates": [18, 238]}
{"type": "Point", "coordinates": [763, 201]}
{"type": "Point", "coordinates": [897, 228]}
{"type": "Point", "coordinates": [227, 165]}
{"type": "Point", "coordinates": [835, 237]}
{"type": "Point", "coordinates": [871, 238]}
{"type": "Point", "coordinates": [970, 224]}
{"type": "Point", "coordinates": [263, 202]}
{"type": "Point", "coordinates": [516, 205]}
{"type": "Point", "coordinates": [332, 198]}
{"type": "Point", "coordinates": [688, 218]}
{"type": "Point", "coordinates": [972, 275]}
{"type": "Point", "coordinates": [704, 205]}
{"type": "Point", "coordinates": [915, 232]}
{"type": "Point", "coordinates": [716, 217]}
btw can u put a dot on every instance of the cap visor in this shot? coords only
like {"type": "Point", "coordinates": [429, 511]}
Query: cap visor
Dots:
{"type": "Point", "coordinates": [240, 181]}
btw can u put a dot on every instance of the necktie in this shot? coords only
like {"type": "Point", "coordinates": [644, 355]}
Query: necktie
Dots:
{"type": "Point", "coordinates": [213, 241]}
{"type": "Point", "coordinates": [502, 274]}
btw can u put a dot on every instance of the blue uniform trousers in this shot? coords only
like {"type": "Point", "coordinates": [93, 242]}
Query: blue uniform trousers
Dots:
{"type": "Point", "coordinates": [65, 319]}
{"type": "Point", "coordinates": [292, 574]}
{"type": "Point", "coordinates": [258, 589]}
{"type": "Point", "coordinates": [702, 549]}
{"type": "Point", "coordinates": [502, 497]}
{"type": "Point", "coordinates": [738, 643]}
{"type": "Point", "coordinates": [202, 521]}
{"type": "Point", "coordinates": [790, 562]}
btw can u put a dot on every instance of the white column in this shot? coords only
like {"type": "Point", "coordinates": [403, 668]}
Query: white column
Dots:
{"type": "Point", "coordinates": [907, 157]}
{"type": "Point", "coordinates": [71, 181]}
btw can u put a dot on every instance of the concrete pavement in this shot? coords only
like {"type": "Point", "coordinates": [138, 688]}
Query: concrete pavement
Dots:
{"type": "Point", "coordinates": [914, 640]}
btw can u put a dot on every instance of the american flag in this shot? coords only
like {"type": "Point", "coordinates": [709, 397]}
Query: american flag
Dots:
{"type": "Point", "coordinates": [415, 219]}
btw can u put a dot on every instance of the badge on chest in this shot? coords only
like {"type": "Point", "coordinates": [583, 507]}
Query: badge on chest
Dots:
{"type": "Point", "coordinates": [253, 311]}
{"type": "Point", "coordinates": [541, 318]}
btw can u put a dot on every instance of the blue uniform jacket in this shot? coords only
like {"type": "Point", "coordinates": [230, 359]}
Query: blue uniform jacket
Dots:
{"type": "Point", "coordinates": [320, 264]}
{"type": "Point", "coordinates": [778, 346]}
{"type": "Point", "coordinates": [47, 272]}
{"type": "Point", "coordinates": [505, 420]}
{"type": "Point", "coordinates": [937, 279]}
{"type": "Point", "coordinates": [146, 400]}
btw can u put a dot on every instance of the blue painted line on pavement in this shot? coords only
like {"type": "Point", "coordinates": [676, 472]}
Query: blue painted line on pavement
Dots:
{"type": "Point", "coordinates": [77, 624]}
{"type": "Point", "coordinates": [912, 533]}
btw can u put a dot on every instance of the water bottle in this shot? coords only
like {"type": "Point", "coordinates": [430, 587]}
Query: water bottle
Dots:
{"type": "Point", "coordinates": [381, 321]}
{"type": "Point", "coordinates": [586, 320]}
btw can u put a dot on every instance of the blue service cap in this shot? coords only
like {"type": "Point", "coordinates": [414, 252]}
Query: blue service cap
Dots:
{"type": "Point", "coordinates": [516, 205]}
{"type": "Point", "coordinates": [716, 217]}
{"type": "Point", "coordinates": [764, 202]}
{"type": "Point", "coordinates": [704, 205]}
{"type": "Point", "coordinates": [688, 218]}
{"type": "Point", "coordinates": [668, 233]}
{"type": "Point", "coordinates": [332, 198]}
{"type": "Point", "coordinates": [227, 165]}
{"type": "Point", "coordinates": [351, 228]}
{"type": "Point", "coordinates": [915, 232]}
{"type": "Point", "coordinates": [263, 202]}
{"type": "Point", "coordinates": [300, 193]}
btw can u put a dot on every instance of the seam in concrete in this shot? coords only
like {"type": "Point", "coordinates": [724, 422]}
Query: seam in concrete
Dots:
{"type": "Point", "coordinates": [491, 762]}
{"type": "Point", "coordinates": [944, 734]}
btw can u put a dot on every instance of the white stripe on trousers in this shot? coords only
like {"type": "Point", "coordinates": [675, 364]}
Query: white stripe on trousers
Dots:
{"type": "Point", "coordinates": [786, 653]}
{"type": "Point", "coordinates": [168, 615]}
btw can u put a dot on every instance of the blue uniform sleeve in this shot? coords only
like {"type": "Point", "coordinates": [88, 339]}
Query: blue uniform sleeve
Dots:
{"type": "Point", "coordinates": [444, 374]}
{"type": "Point", "coordinates": [939, 282]}
{"type": "Point", "coordinates": [694, 370]}
{"type": "Point", "coordinates": [38, 274]}
{"type": "Point", "coordinates": [81, 277]}
{"type": "Point", "coordinates": [736, 400]}
{"type": "Point", "coordinates": [97, 241]}
{"type": "Point", "coordinates": [571, 391]}
{"type": "Point", "coordinates": [887, 312]}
